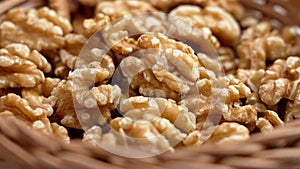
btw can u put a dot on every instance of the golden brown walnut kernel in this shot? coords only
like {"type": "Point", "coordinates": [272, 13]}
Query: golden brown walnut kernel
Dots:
{"type": "Point", "coordinates": [60, 132]}
{"type": "Point", "coordinates": [178, 115]}
{"type": "Point", "coordinates": [17, 70]}
{"type": "Point", "coordinates": [178, 54]}
{"type": "Point", "coordinates": [256, 31]}
{"type": "Point", "coordinates": [254, 100]}
{"type": "Point", "coordinates": [109, 11]}
{"type": "Point", "coordinates": [95, 66]}
{"type": "Point", "coordinates": [40, 29]}
{"type": "Point", "coordinates": [66, 95]}
{"type": "Point", "coordinates": [260, 43]}
{"type": "Point", "coordinates": [92, 25]}
{"type": "Point", "coordinates": [252, 55]}
{"type": "Point", "coordinates": [233, 89]}
{"type": "Point", "coordinates": [292, 65]}
{"type": "Point", "coordinates": [72, 48]}
{"type": "Point", "coordinates": [251, 77]}
{"type": "Point", "coordinates": [34, 56]}
{"type": "Point", "coordinates": [292, 108]}
{"type": "Point", "coordinates": [273, 90]}
{"type": "Point", "coordinates": [229, 132]}
{"type": "Point", "coordinates": [290, 34]}
{"type": "Point", "coordinates": [275, 71]}
{"type": "Point", "coordinates": [121, 37]}
{"type": "Point", "coordinates": [228, 59]}
{"type": "Point", "coordinates": [103, 96]}
{"type": "Point", "coordinates": [142, 78]}
{"type": "Point", "coordinates": [246, 115]}
{"type": "Point", "coordinates": [191, 15]}
{"type": "Point", "coordinates": [264, 125]}
{"type": "Point", "coordinates": [62, 103]}
{"type": "Point", "coordinates": [272, 117]}
{"type": "Point", "coordinates": [42, 90]}
{"type": "Point", "coordinates": [30, 110]}
{"type": "Point", "coordinates": [118, 9]}
{"type": "Point", "coordinates": [165, 67]}
{"type": "Point", "coordinates": [222, 24]}
{"type": "Point", "coordinates": [233, 6]}
{"type": "Point", "coordinates": [275, 48]}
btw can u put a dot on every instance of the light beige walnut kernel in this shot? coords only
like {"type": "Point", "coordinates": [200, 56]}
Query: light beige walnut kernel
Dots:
{"type": "Point", "coordinates": [192, 138]}
{"type": "Point", "coordinates": [93, 135]}
{"type": "Point", "coordinates": [40, 29]}
{"type": "Point", "coordinates": [168, 130]}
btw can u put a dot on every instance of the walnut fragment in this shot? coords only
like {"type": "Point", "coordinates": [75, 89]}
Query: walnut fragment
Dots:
{"type": "Point", "coordinates": [31, 111]}
{"type": "Point", "coordinates": [40, 29]}
{"type": "Point", "coordinates": [229, 132]}
{"type": "Point", "coordinates": [21, 67]}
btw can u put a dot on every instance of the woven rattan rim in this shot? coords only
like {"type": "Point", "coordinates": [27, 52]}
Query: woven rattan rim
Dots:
{"type": "Point", "coordinates": [23, 147]}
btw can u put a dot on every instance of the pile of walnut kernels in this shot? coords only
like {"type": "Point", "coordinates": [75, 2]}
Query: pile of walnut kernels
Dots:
{"type": "Point", "coordinates": [39, 49]}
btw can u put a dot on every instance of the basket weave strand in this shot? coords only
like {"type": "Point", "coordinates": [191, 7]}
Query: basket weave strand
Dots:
{"type": "Point", "coordinates": [22, 147]}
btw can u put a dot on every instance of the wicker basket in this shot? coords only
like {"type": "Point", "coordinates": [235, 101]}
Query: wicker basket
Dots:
{"type": "Point", "coordinates": [22, 147]}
